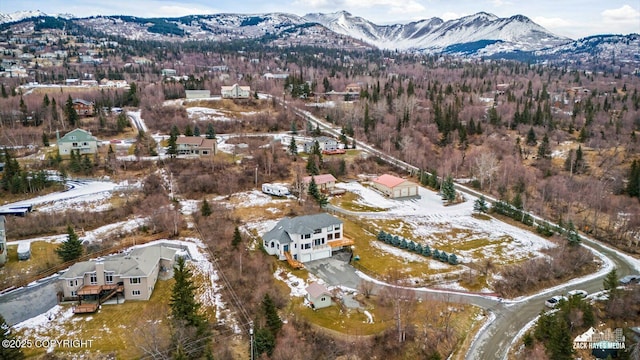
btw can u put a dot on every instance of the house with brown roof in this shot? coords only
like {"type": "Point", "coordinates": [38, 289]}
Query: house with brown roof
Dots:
{"type": "Point", "coordinates": [353, 88]}
{"type": "Point", "coordinates": [395, 187]}
{"type": "Point", "coordinates": [325, 182]}
{"type": "Point", "coordinates": [83, 107]}
{"type": "Point", "coordinates": [196, 145]}
{"type": "Point", "coordinates": [318, 296]}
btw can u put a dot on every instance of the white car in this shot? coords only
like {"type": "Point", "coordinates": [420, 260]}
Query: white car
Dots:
{"type": "Point", "coordinates": [580, 293]}
{"type": "Point", "coordinates": [553, 302]}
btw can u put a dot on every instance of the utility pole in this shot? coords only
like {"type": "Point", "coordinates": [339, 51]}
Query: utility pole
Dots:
{"type": "Point", "coordinates": [251, 338]}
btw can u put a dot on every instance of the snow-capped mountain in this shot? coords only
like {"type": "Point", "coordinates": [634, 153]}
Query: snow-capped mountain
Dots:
{"type": "Point", "coordinates": [606, 48]}
{"type": "Point", "coordinates": [20, 15]}
{"type": "Point", "coordinates": [481, 31]}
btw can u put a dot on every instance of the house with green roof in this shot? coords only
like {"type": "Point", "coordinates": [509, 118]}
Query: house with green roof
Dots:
{"type": "Point", "coordinates": [305, 238]}
{"type": "Point", "coordinates": [77, 140]}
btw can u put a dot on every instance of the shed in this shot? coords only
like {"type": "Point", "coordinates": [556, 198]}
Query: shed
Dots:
{"type": "Point", "coordinates": [197, 94]}
{"type": "Point", "coordinates": [318, 295]}
{"type": "Point", "coordinates": [395, 187]}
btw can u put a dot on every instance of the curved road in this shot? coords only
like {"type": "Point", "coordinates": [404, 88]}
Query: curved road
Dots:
{"type": "Point", "coordinates": [495, 339]}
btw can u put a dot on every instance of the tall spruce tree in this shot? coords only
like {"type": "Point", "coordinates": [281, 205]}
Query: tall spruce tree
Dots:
{"type": "Point", "coordinates": [211, 132]}
{"type": "Point", "coordinates": [293, 147]}
{"type": "Point", "coordinates": [205, 208]}
{"type": "Point", "coordinates": [70, 112]}
{"type": "Point", "coordinates": [480, 205]}
{"type": "Point", "coordinates": [448, 190]}
{"type": "Point", "coordinates": [237, 238]}
{"type": "Point", "coordinates": [633, 185]}
{"type": "Point", "coordinates": [71, 248]}
{"type": "Point", "coordinates": [184, 306]}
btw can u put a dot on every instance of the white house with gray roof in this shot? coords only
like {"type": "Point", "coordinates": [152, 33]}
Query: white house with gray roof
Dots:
{"type": "Point", "coordinates": [134, 274]}
{"type": "Point", "coordinates": [305, 238]}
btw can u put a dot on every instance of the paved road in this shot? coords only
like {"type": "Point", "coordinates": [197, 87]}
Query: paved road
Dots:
{"type": "Point", "coordinates": [25, 303]}
{"type": "Point", "coordinates": [494, 340]}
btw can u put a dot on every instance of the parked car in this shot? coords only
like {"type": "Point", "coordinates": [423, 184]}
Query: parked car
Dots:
{"type": "Point", "coordinates": [630, 279]}
{"type": "Point", "coordinates": [553, 302]}
{"type": "Point", "coordinates": [580, 293]}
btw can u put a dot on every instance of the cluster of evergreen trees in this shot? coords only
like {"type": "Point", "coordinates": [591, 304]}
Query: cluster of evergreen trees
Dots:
{"type": "Point", "coordinates": [402, 243]}
{"type": "Point", "coordinates": [509, 210]}
{"type": "Point", "coordinates": [633, 186]}
{"type": "Point", "coordinates": [17, 181]}
{"type": "Point", "coordinates": [268, 328]}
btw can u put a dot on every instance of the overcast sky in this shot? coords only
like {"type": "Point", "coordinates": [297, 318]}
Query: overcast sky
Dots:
{"type": "Point", "coordinates": [571, 18]}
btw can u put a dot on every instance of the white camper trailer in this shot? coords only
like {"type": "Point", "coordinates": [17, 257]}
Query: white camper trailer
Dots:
{"type": "Point", "coordinates": [273, 189]}
{"type": "Point", "coordinates": [24, 250]}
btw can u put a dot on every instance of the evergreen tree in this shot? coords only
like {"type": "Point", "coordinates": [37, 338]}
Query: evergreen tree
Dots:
{"type": "Point", "coordinates": [205, 208]}
{"type": "Point", "coordinates": [610, 283]}
{"type": "Point", "coordinates": [578, 164]}
{"type": "Point", "coordinates": [312, 168]}
{"type": "Point", "coordinates": [560, 345]}
{"type": "Point", "coordinates": [211, 133]}
{"type": "Point", "coordinates": [11, 170]}
{"type": "Point", "coordinates": [264, 341]}
{"type": "Point", "coordinates": [294, 128]}
{"type": "Point", "coordinates": [633, 184]}
{"type": "Point", "coordinates": [426, 250]}
{"type": "Point", "coordinates": [531, 137]}
{"type": "Point", "coordinates": [453, 259]}
{"type": "Point", "coordinates": [183, 304]}
{"type": "Point", "coordinates": [70, 112]}
{"type": "Point", "coordinates": [315, 193]}
{"type": "Point", "coordinates": [572, 234]}
{"type": "Point", "coordinates": [448, 190]}
{"type": "Point", "coordinates": [45, 139]}
{"type": "Point", "coordinates": [480, 205]}
{"type": "Point", "coordinates": [293, 148]}
{"type": "Point", "coordinates": [196, 130]}
{"type": "Point", "coordinates": [188, 131]}
{"type": "Point", "coordinates": [273, 321]}
{"type": "Point", "coordinates": [71, 248]}
{"type": "Point", "coordinates": [237, 238]}
{"type": "Point", "coordinates": [172, 149]}
{"type": "Point", "coordinates": [4, 92]}
{"type": "Point", "coordinates": [544, 150]}
{"type": "Point", "coordinates": [8, 352]}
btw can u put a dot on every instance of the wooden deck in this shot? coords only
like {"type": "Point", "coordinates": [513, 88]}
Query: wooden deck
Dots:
{"type": "Point", "coordinates": [345, 241]}
{"type": "Point", "coordinates": [95, 289]}
{"type": "Point", "coordinates": [293, 262]}
{"type": "Point", "coordinates": [85, 308]}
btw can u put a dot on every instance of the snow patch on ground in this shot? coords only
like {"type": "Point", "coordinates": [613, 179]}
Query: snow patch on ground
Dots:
{"type": "Point", "coordinates": [207, 114]}
{"type": "Point", "coordinates": [369, 317]}
{"type": "Point", "coordinates": [296, 284]}
{"type": "Point", "coordinates": [52, 319]}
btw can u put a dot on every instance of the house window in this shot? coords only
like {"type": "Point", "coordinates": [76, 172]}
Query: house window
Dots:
{"type": "Point", "coordinates": [336, 235]}
{"type": "Point", "coordinates": [72, 137]}
{"type": "Point", "coordinates": [85, 143]}
{"type": "Point", "coordinates": [307, 236]}
{"type": "Point", "coordinates": [337, 227]}
{"type": "Point", "coordinates": [316, 242]}
{"type": "Point", "coordinates": [73, 282]}
{"type": "Point", "coordinates": [75, 144]}
{"type": "Point", "coordinates": [307, 246]}
{"type": "Point", "coordinates": [329, 236]}
{"type": "Point", "coordinates": [74, 293]}
{"type": "Point", "coordinates": [272, 244]}
{"type": "Point", "coordinates": [135, 292]}
{"type": "Point", "coordinates": [317, 231]}
{"type": "Point", "coordinates": [108, 278]}
{"type": "Point", "coordinates": [93, 279]}
{"type": "Point", "coordinates": [301, 236]}
{"type": "Point", "coordinates": [134, 280]}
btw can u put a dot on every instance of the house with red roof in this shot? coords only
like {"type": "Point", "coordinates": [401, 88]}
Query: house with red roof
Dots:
{"type": "Point", "coordinates": [395, 187]}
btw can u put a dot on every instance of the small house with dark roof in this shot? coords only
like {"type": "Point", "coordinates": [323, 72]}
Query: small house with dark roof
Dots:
{"type": "Point", "coordinates": [318, 296]}
{"type": "Point", "coordinates": [305, 238]}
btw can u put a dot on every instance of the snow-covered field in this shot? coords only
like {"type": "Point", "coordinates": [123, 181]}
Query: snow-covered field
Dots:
{"type": "Point", "coordinates": [432, 223]}
{"type": "Point", "coordinates": [207, 114]}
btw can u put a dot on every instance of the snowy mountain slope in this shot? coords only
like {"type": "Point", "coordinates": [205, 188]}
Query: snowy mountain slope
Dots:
{"type": "Point", "coordinates": [517, 32]}
{"type": "Point", "coordinates": [21, 15]}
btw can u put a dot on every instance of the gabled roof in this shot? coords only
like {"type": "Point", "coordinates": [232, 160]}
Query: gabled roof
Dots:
{"type": "Point", "coordinates": [316, 290]}
{"type": "Point", "coordinates": [299, 225]}
{"type": "Point", "coordinates": [320, 179]}
{"type": "Point", "coordinates": [389, 181]}
{"type": "Point", "coordinates": [81, 135]}
{"type": "Point", "coordinates": [325, 139]}
{"type": "Point", "coordinates": [139, 263]}
{"type": "Point", "coordinates": [228, 88]}
{"type": "Point", "coordinates": [82, 101]}
{"type": "Point", "coordinates": [189, 140]}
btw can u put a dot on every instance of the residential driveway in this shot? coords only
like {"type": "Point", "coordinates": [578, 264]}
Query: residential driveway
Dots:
{"type": "Point", "coordinates": [28, 302]}
{"type": "Point", "coordinates": [335, 271]}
